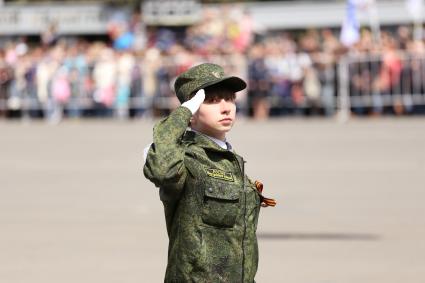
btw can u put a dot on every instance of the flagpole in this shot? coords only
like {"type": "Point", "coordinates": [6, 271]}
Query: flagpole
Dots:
{"type": "Point", "coordinates": [374, 22]}
{"type": "Point", "coordinates": [418, 29]}
{"type": "Point", "coordinates": [415, 8]}
{"type": "Point", "coordinates": [350, 30]}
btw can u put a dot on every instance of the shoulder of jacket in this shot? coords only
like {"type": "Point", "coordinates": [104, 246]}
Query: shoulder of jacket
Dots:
{"type": "Point", "coordinates": [188, 138]}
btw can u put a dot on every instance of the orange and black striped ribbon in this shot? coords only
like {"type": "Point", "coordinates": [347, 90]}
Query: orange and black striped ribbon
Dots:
{"type": "Point", "coordinates": [265, 202]}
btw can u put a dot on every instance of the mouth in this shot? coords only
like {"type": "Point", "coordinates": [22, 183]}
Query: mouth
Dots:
{"type": "Point", "coordinates": [227, 120]}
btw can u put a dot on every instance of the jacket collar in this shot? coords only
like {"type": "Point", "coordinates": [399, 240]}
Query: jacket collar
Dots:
{"type": "Point", "coordinates": [223, 144]}
{"type": "Point", "coordinates": [203, 141]}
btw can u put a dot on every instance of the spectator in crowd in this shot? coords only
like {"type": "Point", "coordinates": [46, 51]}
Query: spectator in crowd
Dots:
{"type": "Point", "coordinates": [125, 65]}
{"type": "Point", "coordinates": [104, 75]}
{"type": "Point", "coordinates": [6, 75]}
{"type": "Point", "coordinates": [258, 83]}
{"type": "Point", "coordinates": [388, 80]}
{"type": "Point", "coordinates": [60, 91]}
{"type": "Point", "coordinates": [31, 104]}
{"type": "Point", "coordinates": [44, 73]}
{"type": "Point", "coordinates": [77, 68]}
{"type": "Point", "coordinates": [50, 36]}
{"type": "Point", "coordinates": [413, 75]}
{"type": "Point", "coordinates": [288, 72]}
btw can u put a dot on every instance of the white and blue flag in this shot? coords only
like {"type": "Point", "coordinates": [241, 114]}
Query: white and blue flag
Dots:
{"type": "Point", "coordinates": [350, 31]}
{"type": "Point", "coordinates": [415, 8]}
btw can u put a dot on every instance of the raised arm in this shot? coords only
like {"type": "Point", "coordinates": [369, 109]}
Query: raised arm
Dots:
{"type": "Point", "coordinates": [164, 164]}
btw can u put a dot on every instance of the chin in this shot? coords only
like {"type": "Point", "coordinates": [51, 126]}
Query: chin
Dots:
{"type": "Point", "coordinates": [226, 129]}
{"type": "Point", "coordinates": [221, 130]}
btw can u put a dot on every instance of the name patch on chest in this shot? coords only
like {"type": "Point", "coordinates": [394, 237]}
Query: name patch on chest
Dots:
{"type": "Point", "coordinates": [220, 174]}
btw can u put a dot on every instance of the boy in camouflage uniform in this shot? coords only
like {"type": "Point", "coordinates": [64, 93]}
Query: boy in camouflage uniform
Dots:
{"type": "Point", "coordinates": [211, 207]}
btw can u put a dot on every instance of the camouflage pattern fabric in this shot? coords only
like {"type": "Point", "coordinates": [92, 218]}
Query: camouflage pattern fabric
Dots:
{"type": "Point", "coordinates": [211, 207]}
{"type": "Point", "coordinates": [202, 76]}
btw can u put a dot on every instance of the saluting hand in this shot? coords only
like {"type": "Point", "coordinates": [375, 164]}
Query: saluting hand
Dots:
{"type": "Point", "coordinates": [195, 102]}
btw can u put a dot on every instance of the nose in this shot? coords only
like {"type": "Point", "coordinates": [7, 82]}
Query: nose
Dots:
{"type": "Point", "coordinates": [225, 106]}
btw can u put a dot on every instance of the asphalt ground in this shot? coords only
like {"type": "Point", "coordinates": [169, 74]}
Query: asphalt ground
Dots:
{"type": "Point", "coordinates": [75, 207]}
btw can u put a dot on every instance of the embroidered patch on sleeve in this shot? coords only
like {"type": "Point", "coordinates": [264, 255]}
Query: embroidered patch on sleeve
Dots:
{"type": "Point", "coordinates": [220, 174]}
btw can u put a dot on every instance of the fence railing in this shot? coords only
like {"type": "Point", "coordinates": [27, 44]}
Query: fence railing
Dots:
{"type": "Point", "coordinates": [371, 83]}
{"type": "Point", "coordinates": [148, 87]}
{"type": "Point", "coordinates": [360, 83]}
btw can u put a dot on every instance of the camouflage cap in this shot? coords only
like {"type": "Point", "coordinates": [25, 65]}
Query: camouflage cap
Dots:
{"type": "Point", "coordinates": [202, 76]}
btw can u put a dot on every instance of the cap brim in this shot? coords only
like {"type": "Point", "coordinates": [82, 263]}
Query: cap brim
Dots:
{"type": "Point", "coordinates": [233, 83]}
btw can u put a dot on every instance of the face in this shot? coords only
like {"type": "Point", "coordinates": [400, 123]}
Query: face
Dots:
{"type": "Point", "coordinates": [216, 115]}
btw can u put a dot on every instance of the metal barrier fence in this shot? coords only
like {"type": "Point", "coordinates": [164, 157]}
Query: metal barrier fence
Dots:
{"type": "Point", "coordinates": [287, 82]}
{"type": "Point", "coordinates": [147, 91]}
{"type": "Point", "coordinates": [372, 83]}
{"type": "Point", "coordinates": [359, 83]}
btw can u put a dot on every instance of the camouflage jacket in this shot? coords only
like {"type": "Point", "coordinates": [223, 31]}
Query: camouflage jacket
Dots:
{"type": "Point", "coordinates": [211, 207]}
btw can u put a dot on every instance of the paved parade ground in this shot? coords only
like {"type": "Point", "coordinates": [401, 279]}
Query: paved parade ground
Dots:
{"type": "Point", "coordinates": [75, 207]}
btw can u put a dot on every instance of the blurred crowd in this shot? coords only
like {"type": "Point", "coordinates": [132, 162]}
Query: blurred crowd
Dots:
{"type": "Point", "coordinates": [132, 73]}
{"type": "Point", "coordinates": [387, 73]}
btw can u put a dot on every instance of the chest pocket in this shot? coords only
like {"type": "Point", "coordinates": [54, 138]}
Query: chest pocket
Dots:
{"type": "Point", "coordinates": [220, 206]}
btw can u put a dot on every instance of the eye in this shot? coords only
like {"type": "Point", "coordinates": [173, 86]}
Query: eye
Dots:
{"type": "Point", "coordinates": [214, 99]}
